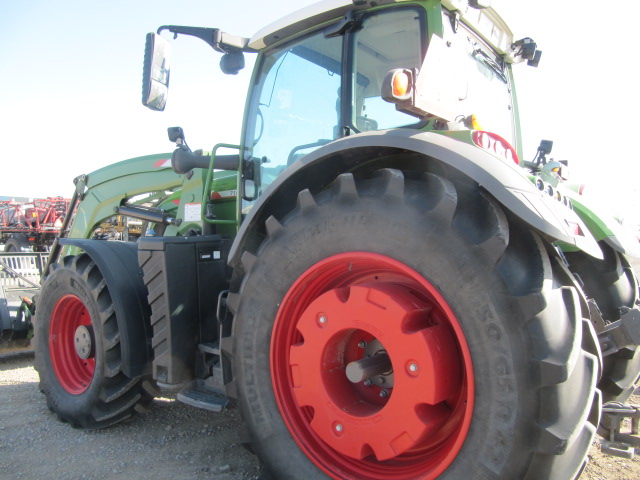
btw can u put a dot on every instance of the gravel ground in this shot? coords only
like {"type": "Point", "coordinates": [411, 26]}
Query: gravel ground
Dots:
{"type": "Point", "coordinates": [170, 441]}
{"type": "Point", "coordinates": [607, 467]}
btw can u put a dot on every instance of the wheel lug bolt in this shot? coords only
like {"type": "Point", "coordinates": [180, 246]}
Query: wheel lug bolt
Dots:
{"type": "Point", "coordinates": [413, 367]}
{"type": "Point", "coordinates": [384, 393]}
{"type": "Point", "coordinates": [338, 427]}
{"type": "Point", "coordinates": [322, 320]}
{"type": "Point", "coordinates": [362, 344]}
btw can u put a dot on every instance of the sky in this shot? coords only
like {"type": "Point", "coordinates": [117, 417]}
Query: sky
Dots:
{"type": "Point", "coordinates": [70, 86]}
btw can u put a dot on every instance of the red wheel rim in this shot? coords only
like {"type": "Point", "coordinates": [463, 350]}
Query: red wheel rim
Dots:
{"type": "Point", "coordinates": [73, 372]}
{"type": "Point", "coordinates": [406, 423]}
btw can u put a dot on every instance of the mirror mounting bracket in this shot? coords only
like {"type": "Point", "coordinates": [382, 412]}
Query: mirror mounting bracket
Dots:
{"type": "Point", "coordinates": [218, 40]}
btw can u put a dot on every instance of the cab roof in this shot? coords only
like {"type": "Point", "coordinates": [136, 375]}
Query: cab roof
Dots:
{"type": "Point", "coordinates": [485, 21]}
{"type": "Point", "coordinates": [309, 17]}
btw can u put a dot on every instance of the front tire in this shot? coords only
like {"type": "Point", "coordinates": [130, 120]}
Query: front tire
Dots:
{"type": "Point", "coordinates": [463, 302]}
{"type": "Point", "coordinates": [78, 350]}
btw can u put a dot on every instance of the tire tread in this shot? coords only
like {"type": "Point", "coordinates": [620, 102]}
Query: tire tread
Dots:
{"type": "Point", "coordinates": [118, 395]}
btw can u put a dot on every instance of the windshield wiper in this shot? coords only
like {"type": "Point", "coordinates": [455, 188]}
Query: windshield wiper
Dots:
{"type": "Point", "coordinates": [486, 60]}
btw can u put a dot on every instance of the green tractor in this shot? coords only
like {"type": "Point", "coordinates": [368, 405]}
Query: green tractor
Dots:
{"type": "Point", "coordinates": [382, 286]}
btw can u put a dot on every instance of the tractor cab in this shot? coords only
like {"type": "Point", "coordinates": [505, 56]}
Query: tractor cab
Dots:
{"type": "Point", "coordinates": [312, 86]}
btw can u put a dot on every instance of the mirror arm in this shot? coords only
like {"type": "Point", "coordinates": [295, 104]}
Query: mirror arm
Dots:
{"type": "Point", "coordinates": [214, 37]}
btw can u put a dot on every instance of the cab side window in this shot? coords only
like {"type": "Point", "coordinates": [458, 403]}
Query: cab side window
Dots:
{"type": "Point", "coordinates": [391, 38]}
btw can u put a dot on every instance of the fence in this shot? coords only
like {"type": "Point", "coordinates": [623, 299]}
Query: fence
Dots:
{"type": "Point", "coordinates": [21, 269]}
{"type": "Point", "coordinates": [19, 278]}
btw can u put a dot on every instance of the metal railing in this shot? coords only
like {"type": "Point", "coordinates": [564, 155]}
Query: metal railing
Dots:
{"type": "Point", "coordinates": [21, 269]}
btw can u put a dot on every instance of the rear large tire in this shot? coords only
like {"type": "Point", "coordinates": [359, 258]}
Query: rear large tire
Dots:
{"type": "Point", "coordinates": [478, 318]}
{"type": "Point", "coordinates": [613, 285]}
{"type": "Point", "coordinates": [78, 349]}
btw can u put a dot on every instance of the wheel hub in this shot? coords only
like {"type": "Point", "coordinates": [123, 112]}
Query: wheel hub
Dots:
{"type": "Point", "coordinates": [83, 341]}
{"type": "Point", "coordinates": [356, 411]}
{"type": "Point", "coordinates": [368, 367]}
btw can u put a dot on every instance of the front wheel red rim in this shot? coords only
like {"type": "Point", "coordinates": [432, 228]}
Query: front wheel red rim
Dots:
{"type": "Point", "coordinates": [405, 407]}
{"type": "Point", "coordinates": [70, 344]}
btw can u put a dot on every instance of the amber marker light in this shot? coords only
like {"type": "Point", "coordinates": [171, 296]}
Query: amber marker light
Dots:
{"type": "Point", "coordinates": [398, 85]}
{"type": "Point", "coordinates": [475, 123]}
{"type": "Point", "coordinates": [401, 84]}
{"type": "Point", "coordinates": [472, 122]}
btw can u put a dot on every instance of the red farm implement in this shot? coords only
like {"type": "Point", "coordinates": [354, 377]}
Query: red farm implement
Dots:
{"type": "Point", "coordinates": [31, 226]}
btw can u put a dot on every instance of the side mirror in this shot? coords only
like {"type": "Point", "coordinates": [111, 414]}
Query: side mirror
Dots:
{"type": "Point", "coordinates": [249, 190]}
{"type": "Point", "coordinates": [155, 74]}
{"type": "Point", "coordinates": [251, 179]}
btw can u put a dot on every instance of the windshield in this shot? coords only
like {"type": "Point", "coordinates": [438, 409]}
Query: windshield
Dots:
{"type": "Point", "coordinates": [295, 106]}
{"type": "Point", "coordinates": [482, 81]}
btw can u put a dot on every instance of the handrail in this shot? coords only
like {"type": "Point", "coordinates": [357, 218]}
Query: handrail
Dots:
{"type": "Point", "coordinates": [207, 187]}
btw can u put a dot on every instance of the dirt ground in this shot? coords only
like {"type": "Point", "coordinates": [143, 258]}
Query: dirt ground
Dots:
{"type": "Point", "coordinates": [607, 467]}
{"type": "Point", "coordinates": [171, 441]}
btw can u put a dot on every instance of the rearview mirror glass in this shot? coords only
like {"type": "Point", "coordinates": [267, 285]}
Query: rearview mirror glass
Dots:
{"type": "Point", "coordinates": [249, 190]}
{"type": "Point", "coordinates": [155, 75]}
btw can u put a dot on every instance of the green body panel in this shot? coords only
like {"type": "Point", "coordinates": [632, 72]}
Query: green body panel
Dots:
{"type": "Point", "coordinates": [596, 224]}
{"type": "Point", "coordinates": [433, 9]}
{"type": "Point", "coordinates": [461, 135]}
{"type": "Point", "coordinates": [604, 227]}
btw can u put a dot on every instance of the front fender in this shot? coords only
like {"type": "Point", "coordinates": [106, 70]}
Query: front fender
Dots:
{"type": "Point", "coordinates": [118, 263]}
{"type": "Point", "coordinates": [507, 183]}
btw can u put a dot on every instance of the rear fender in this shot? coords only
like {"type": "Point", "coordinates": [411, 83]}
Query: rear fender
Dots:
{"type": "Point", "coordinates": [118, 263]}
{"type": "Point", "coordinates": [507, 183]}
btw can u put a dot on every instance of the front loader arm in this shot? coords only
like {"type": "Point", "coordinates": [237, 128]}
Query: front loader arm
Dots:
{"type": "Point", "coordinates": [105, 189]}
